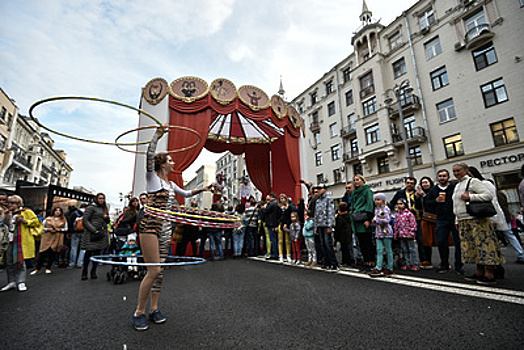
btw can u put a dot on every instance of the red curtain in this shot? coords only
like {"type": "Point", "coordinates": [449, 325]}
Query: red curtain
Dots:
{"type": "Point", "coordinates": [293, 157]}
{"type": "Point", "coordinates": [258, 166]}
{"type": "Point", "coordinates": [179, 139]}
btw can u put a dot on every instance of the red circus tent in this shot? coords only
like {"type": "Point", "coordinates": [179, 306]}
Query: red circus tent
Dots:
{"type": "Point", "coordinates": [239, 121]}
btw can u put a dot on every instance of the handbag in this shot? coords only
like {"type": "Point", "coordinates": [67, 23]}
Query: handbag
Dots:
{"type": "Point", "coordinates": [62, 249]}
{"type": "Point", "coordinates": [360, 216]}
{"type": "Point", "coordinates": [79, 225]}
{"type": "Point", "coordinates": [480, 209]}
{"type": "Point", "coordinates": [97, 236]}
{"type": "Point", "coordinates": [429, 217]}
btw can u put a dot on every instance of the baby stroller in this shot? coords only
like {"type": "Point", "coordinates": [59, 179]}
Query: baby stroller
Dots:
{"type": "Point", "coordinates": [126, 252]}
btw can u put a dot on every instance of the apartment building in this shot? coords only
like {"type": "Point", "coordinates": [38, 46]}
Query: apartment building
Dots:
{"type": "Point", "coordinates": [454, 67]}
{"type": "Point", "coordinates": [8, 112]}
{"type": "Point", "coordinates": [32, 157]}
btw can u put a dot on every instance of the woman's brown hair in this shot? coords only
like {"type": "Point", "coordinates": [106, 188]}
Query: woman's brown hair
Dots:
{"type": "Point", "coordinates": [160, 158]}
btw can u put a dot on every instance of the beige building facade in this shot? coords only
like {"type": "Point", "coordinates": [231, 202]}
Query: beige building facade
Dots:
{"type": "Point", "coordinates": [205, 176]}
{"type": "Point", "coordinates": [456, 69]}
{"type": "Point", "coordinates": [8, 113]}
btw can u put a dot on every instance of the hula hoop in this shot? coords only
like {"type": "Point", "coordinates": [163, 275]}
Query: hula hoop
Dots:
{"type": "Point", "coordinates": [188, 261]}
{"type": "Point", "coordinates": [119, 144]}
{"type": "Point", "coordinates": [203, 222]}
{"type": "Point", "coordinates": [58, 98]}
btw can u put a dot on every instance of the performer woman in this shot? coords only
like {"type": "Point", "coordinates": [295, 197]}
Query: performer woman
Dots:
{"type": "Point", "coordinates": [155, 233]}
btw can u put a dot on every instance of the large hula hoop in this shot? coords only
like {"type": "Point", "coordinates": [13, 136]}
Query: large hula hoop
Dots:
{"type": "Point", "coordinates": [202, 221]}
{"type": "Point", "coordinates": [119, 144]}
{"type": "Point", "coordinates": [188, 261]}
{"type": "Point", "coordinates": [58, 98]}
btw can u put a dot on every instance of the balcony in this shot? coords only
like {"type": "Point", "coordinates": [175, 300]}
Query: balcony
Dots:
{"type": "Point", "coordinates": [314, 127]}
{"type": "Point", "coordinates": [409, 103]}
{"type": "Point", "coordinates": [415, 135]}
{"type": "Point", "coordinates": [348, 131]}
{"type": "Point", "coordinates": [479, 35]}
{"type": "Point", "coordinates": [23, 162]}
{"type": "Point", "coordinates": [350, 156]}
{"type": "Point", "coordinates": [365, 92]}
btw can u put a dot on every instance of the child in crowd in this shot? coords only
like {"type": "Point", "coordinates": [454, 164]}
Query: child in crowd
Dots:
{"type": "Point", "coordinates": [384, 235]}
{"type": "Point", "coordinates": [296, 238]}
{"type": "Point", "coordinates": [130, 251]}
{"type": "Point", "coordinates": [309, 235]}
{"type": "Point", "coordinates": [343, 233]}
{"type": "Point", "coordinates": [405, 228]}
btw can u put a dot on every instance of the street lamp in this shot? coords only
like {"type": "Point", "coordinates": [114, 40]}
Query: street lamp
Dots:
{"type": "Point", "coordinates": [398, 91]}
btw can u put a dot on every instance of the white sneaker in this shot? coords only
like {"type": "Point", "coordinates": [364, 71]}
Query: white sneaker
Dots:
{"type": "Point", "coordinates": [289, 260]}
{"type": "Point", "coordinates": [8, 286]}
{"type": "Point", "coordinates": [267, 256]}
{"type": "Point", "coordinates": [281, 259]}
{"type": "Point", "coordinates": [34, 272]}
{"type": "Point", "coordinates": [22, 287]}
{"type": "Point", "coordinates": [47, 271]}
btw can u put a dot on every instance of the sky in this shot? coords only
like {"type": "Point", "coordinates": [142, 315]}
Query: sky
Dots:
{"type": "Point", "coordinates": [110, 50]}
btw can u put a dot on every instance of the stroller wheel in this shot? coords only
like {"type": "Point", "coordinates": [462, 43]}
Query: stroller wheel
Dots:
{"type": "Point", "coordinates": [124, 276]}
{"type": "Point", "coordinates": [108, 276]}
{"type": "Point", "coordinates": [117, 278]}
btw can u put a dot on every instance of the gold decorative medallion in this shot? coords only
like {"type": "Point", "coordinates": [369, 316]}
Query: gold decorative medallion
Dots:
{"type": "Point", "coordinates": [155, 90]}
{"type": "Point", "coordinates": [188, 89]}
{"type": "Point", "coordinates": [278, 106]}
{"type": "Point", "coordinates": [254, 97]}
{"type": "Point", "coordinates": [223, 91]}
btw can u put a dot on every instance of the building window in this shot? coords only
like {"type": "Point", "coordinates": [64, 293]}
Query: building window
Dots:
{"type": "Point", "coordinates": [416, 155]}
{"type": "Point", "coordinates": [367, 86]}
{"type": "Point", "coordinates": [354, 146]}
{"type": "Point", "coordinates": [318, 158]}
{"type": "Point", "coordinates": [349, 98]}
{"type": "Point", "coordinates": [346, 74]}
{"type": "Point", "coordinates": [399, 67]}
{"type": "Point", "coordinates": [3, 142]}
{"type": "Point", "coordinates": [433, 48]}
{"type": "Point", "coordinates": [2, 113]}
{"type": "Point", "coordinates": [351, 121]}
{"type": "Point", "coordinates": [331, 108]}
{"type": "Point", "coordinates": [329, 87]}
{"type": "Point", "coordinates": [301, 107]}
{"type": "Point", "coordinates": [439, 78]}
{"type": "Point", "coordinates": [494, 93]}
{"type": "Point", "coordinates": [317, 138]}
{"type": "Point", "coordinates": [484, 56]}
{"type": "Point", "coordinates": [383, 164]}
{"type": "Point", "coordinates": [475, 24]}
{"type": "Point", "coordinates": [357, 169]}
{"type": "Point", "coordinates": [372, 134]}
{"type": "Point", "coordinates": [409, 125]}
{"type": "Point", "coordinates": [335, 152]}
{"type": "Point", "coordinates": [333, 130]}
{"type": "Point", "coordinates": [446, 111]}
{"type": "Point", "coordinates": [504, 132]}
{"type": "Point", "coordinates": [370, 106]}
{"type": "Point", "coordinates": [337, 176]}
{"type": "Point", "coordinates": [314, 98]}
{"type": "Point", "coordinates": [427, 19]}
{"type": "Point", "coordinates": [314, 117]}
{"type": "Point", "coordinates": [453, 146]}
{"type": "Point", "coordinates": [395, 41]}
{"type": "Point", "coordinates": [9, 119]}
{"type": "Point", "coordinates": [320, 178]}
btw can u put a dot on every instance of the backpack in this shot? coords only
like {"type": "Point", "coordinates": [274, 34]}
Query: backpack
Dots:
{"type": "Point", "coordinates": [79, 225]}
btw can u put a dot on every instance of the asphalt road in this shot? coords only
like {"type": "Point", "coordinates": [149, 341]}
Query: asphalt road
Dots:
{"type": "Point", "coordinates": [251, 304]}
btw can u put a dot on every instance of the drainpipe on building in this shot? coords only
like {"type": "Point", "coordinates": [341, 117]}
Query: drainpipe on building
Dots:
{"type": "Point", "coordinates": [341, 124]}
{"type": "Point", "coordinates": [422, 105]}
